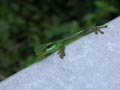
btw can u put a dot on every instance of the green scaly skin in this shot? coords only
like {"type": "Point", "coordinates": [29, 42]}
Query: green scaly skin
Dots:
{"type": "Point", "coordinates": [46, 49]}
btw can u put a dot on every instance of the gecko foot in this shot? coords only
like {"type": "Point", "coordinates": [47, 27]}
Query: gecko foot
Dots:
{"type": "Point", "coordinates": [97, 29]}
{"type": "Point", "coordinates": [61, 52]}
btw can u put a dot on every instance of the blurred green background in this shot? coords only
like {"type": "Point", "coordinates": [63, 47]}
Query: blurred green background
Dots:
{"type": "Point", "coordinates": [24, 24]}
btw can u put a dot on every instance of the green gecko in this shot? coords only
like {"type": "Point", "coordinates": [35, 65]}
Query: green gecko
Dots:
{"type": "Point", "coordinates": [46, 49]}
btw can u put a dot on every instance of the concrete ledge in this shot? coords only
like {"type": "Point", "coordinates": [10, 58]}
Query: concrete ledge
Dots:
{"type": "Point", "coordinates": [91, 63]}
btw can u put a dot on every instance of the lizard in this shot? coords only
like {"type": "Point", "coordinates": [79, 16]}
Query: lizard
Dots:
{"type": "Point", "coordinates": [46, 49]}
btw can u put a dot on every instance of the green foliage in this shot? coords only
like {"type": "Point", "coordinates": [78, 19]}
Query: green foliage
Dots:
{"type": "Point", "coordinates": [28, 61]}
{"type": "Point", "coordinates": [102, 11]}
{"type": "Point", "coordinates": [24, 24]}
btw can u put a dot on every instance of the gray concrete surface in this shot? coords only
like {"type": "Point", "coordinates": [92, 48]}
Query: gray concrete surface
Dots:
{"type": "Point", "coordinates": [91, 63]}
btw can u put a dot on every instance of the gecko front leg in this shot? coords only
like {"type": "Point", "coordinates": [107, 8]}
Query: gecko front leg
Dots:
{"type": "Point", "coordinates": [61, 52]}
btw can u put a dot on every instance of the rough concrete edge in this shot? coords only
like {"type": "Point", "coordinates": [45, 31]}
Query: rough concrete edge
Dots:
{"type": "Point", "coordinates": [17, 73]}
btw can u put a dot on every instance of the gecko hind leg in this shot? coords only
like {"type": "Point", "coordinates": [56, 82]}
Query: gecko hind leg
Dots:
{"type": "Point", "coordinates": [97, 29]}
